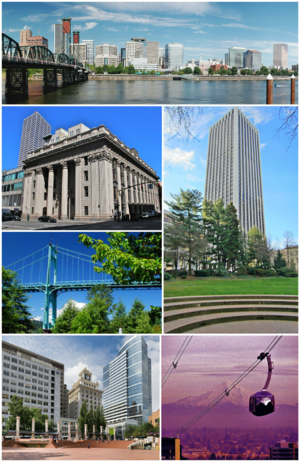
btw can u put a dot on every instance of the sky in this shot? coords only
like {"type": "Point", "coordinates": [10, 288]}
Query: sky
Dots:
{"type": "Point", "coordinates": [210, 359]}
{"type": "Point", "coordinates": [206, 28]}
{"type": "Point", "coordinates": [185, 165]}
{"type": "Point", "coordinates": [100, 350]}
{"type": "Point", "coordinates": [137, 127]}
{"type": "Point", "coordinates": [16, 246]}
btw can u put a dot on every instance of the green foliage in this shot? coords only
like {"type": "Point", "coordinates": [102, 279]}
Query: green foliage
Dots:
{"type": "Point", "coordinates": [258, 251]}
{"type": "Point", "coordinates": [264, 70]}
{"type": "Point", "coordinates": [167, 276]}
{"type": "Point", "coordinates": [83, 418]}
{"type": "Point", "coordinates": [64, 320]}
{"type": "Point", "coordinates": [287, 272]}
{"type": "Point", "coordinates": [265, 272]}
{"type": "Point", "coordinates": [173, 243]}
{"type": "Point", "coordinates": [15, 316]}
{"type": "Point", "coordinates": [128, 258]}
{"type": "Point", "coordinates": [16, 409]}
{"type": "Point", "coordinates": [187, 70]}
{"type": "Point", "coordinates": [197, 71]}
{"type": "Point", "coordinates": [243, 72]}
{"type": "Point", "coordinates": [234, 70]}
{"type": "Point", "coordinates": [279, 261]}
{"type": "Point", "coordinates": [210, 71]}
{"type": "Point", "coordinates": [140, 431]}
{"type": "Point", "coordinates": [30, 72]}
{"type": "Point", "coordinates": [202, 273]}
{"type": "Point", "coordinates": [257, 73]}
{"type": "Point", "coordinates": [131, 69]}
{"type": "Point", "coordinates": [221, 271]}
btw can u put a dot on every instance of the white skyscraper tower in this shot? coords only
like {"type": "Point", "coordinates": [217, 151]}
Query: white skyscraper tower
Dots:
{"type": "Point", "coordinates": [35, 127]}
{"type": "Point", "coordinates": [233, 171]}
{"type": "Point", "coordinates": [280, 55]}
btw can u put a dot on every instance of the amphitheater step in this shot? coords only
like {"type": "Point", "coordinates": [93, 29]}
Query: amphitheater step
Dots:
{"type": "Point", "coordinates": [229, 301]}
{"type": "Point", "coordinates": [186, 324]}
{"type": "Point", "coordinates": [193, 298]}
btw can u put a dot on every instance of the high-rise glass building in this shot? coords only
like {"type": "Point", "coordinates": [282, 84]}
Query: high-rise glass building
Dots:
{"type": "Point", "coordinates": [252, 59]}
{"type": "Point", "coordinates": [280, 55]}
{"type": "Point", "coordinates": [173, 55]}
{"type": "Point", "coordinates": [127, 384]}
{"type": "Point", "coordinates": [236, 56]}
{"type": "Point", "coordinates": [233, 171]}
{"type": "Point", "coordinates": [89, 51]}
{"type": "Point", "coordinates": [35, 127]}
{"type": "Point", "coordinates": [58, 36]}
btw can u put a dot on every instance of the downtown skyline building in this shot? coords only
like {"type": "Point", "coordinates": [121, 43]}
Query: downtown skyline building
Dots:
{"type": "Point", "coordinates": [89, 51]}
{"type": "Point", "coordinates": [280, 55]}
{"type": "Point", "coordinates": [252, 59]}
{"type": "Point", "coordinates": [235, 57]}
{"type": "Point", "coordinates": [173, 55]}
{"type": "Point", "coordinates": [84, 390]}
{"type": "Point", "coordinates": [106, 55]}
{"type": "Point", "coordinates": [35, 127]}
{"type": "Point", "coordinates": [233, 171]}
{"type": "Point", "coordinates": [127, 395]}
{"type": "Point", "coordinates": [58, 38]}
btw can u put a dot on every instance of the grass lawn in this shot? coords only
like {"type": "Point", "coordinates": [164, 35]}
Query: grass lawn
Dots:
{"type": "Point", "coordinates": [237, 286]}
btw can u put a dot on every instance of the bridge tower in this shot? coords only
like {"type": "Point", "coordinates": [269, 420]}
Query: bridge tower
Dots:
{"type": "Point", "coordinates": [76, 41]}
{"type": "Point", "coordinates": [66, 35]}
{"type": "Point", "coordinates": [50, 295]}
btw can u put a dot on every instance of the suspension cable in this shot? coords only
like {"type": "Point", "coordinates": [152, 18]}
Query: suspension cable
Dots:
{"type": "Point", "coordinates": [7, 266]}
{"type": "Point", "coordinates": [176, 360]}
{"type": "Point", "coordinates": [204, 411]}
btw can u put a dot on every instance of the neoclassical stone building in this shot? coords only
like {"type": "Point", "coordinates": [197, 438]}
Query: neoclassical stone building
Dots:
{"type": "Point", "coordinates": [87, 176]}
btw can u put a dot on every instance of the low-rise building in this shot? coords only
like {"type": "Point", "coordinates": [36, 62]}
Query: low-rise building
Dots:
{"type": "Point", "coordinates": [37, 41]}
{"type": "Point", "coordinates": [154, 418]}
{"type": "Point", "coordinates": [12, 188]}
{"type": "Point", "coordinates": [284, 451]}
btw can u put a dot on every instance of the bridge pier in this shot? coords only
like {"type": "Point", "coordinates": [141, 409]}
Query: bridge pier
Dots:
{"type": "Point", "coordinates": [16, 87]}
{"type": "Point", "coordinates": [50, 80]}
{"type": "Point", "coordinates": [67, 78]}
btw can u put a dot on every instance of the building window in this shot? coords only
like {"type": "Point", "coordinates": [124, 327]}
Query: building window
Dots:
{"type": "Point", "coordinates": [86, 175]}
{"type": "Point", "coordinates": [45, 196]}
{"type": "Point", "coordinates": [77, 131]}
{"type": "Point", "coordinates": [86, 191]}
{"type": "Point", "coordinates": [33, 195]}
{"type": "Point", "coordinates": [86, 161]}
{"type": "Point", "coordinates": [86, 211]}
{"type": "Point", "coordinates": [32, 209]}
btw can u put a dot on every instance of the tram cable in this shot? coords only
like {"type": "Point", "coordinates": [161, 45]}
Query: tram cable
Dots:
{"type": "Point", "coordinates": [174, 364]}
{"type": "Point", "coordinates": [204, 411]}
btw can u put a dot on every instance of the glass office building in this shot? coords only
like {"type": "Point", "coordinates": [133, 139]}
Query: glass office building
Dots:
{"type": "Point", "coordinates": [174, 55]}
{"type": "Point", "coordinates": [127, 384]}
{"type": "Point", "coordinates": [35, 127]}
{"type": "Point", "coordinates": [236, 56]}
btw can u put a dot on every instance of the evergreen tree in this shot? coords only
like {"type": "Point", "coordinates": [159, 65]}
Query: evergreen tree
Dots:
{"type": "Point", "coordinates": [97, 418]}
{"type": "Point", "coordinates": [102, 418]}
{"type": "Point", "coordinates": [64, 320]}
{"type": "Point", "coordinates": [234, 246]}
{"type": "Point", "coordinates": [16, 318]}
{"type": "Point", "coordinates": [215, 221]}
{"type": "Point", "coordinates": [133, 315]}
{"type": "Point", "coordinates": [82, 420]}
{"type": "Point", "coordinates": [119, 319]}
{"type": "Point", "coordinates": [186, 208]}
{"type": "Point", "coordinates": [173, 244]}
{"type": "Point", "coordinates": [279, 261]}
{"type": "Point", "coordinates": [90, 419]}
{"type": "Point", "coordinates": [258, 249]}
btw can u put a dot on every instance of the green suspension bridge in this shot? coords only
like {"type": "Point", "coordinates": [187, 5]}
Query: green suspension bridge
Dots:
{"type": "Point", "coordinates": [75, 272]}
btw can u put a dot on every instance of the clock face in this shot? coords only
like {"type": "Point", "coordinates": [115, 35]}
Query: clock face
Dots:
{"type": "Point", "coordinates": [87, 377]}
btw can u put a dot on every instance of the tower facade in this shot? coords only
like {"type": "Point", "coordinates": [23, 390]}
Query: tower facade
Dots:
{"type": "Point", "coordinates": [280, 55]}
{"type": "Point", "coordinates": [35, 127]}
{"type": "Point", "coordinates": [127, 384]}
{"type": "Point", "coordinates": [89, 51]}
{"type": "Point", "coordinates": [84, 390]}
{"type": "Point", "coordinates": [173, 55]}
{"type": "Point", "coordinates": [233, 171]}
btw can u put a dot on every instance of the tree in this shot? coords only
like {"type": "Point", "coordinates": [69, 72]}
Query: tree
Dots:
{"type": "Point", "coordinates": [128, 258]}
{"type": "Point", "coordinates": [102, 418]}
{"type": "Point", "coordinates": [258, 251]}
{"type": "Point", "coordinates": [16, 318]}
{"type": "Point", "coordinates": [289, 126]}
{"type": "Point", "coordinates": [119, 318]}
{"type": "Point", "coordinates": [249, 72]}
{"type": "Point", "coordinates": [234, 70]}
{"type": "Point", "coordinates": [180, 121]}
{"type": "Point", "coordinates": [197, 71]}
{"type": "Point", "coordinates": [187, 70]}
{"type": "Point", "coordinates": [186, 208]}
{"type": "Point", "coordinates": [16, 409]}
{"type": "Point", "coordinates": [173, 243]}
{"type": "Point", "coordinates": [243, 72]}
{"type": "Point", "coordinates": [257, 73]}
{"type": "Point", "coordinates": [90, 419]}
{"type": "Point", "coordinates": [279, 261]}
{"type": "Point", "coordinates": [289, 241]}
{"type": "Point", "coordinates": [82, 420]}
{"type": "Point", "coordinates": [134, 314]}
{"type": "Point", "coordinates": [131, 69]}
{"type": "Point", "coordinates": [210, 71]}
{"type": "Point", "coordinates": [64, 320]}
{"type": "Point", "coordinates": [264, 70]}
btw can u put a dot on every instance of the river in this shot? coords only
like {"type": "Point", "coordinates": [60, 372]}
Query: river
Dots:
{"type": "Point", "coordinates": [158, 92]}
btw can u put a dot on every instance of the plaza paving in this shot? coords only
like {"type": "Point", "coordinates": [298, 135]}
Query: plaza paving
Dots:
{"type": "Point", "coordinates": [67, 453]}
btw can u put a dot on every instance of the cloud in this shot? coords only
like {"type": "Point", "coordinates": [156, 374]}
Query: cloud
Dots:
{"type": "Point", "coordinates": [38, 318]}
{"type": "Point", "coordinates": [88, 26]}
{"type": "Point", "coordinates": [12, 30]}
{"type": "Point", "coordinates": [179, 158]}
{"type": "Point", "coordinates": [259, 115]}
{"type": "Point", "coordinates": [199, 32]}
{"type": "Point", "coordinates": [111, 29]}
{"type": "Point", "coordinates": [232, 25]}
{"type": "Point", "coordinates": [262, 145]}
{"type": "Point", "coordinates": [51, 28]}
{"type": "Point", "coordinates": [194, 178]}
{"type": "Point", "coordinates": [78, 305]}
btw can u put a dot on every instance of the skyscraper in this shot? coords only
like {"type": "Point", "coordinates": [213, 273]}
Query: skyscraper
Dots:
{"type": "Point", "coordinates": [106, 55]}
{"type": "Point", "coordinates": [233, 171]}
{"type": "Point", "coordinates": [127, 384]}
{"type": "Point", "coordinates": [25, 34]}
{"type": "Point", "coordinates": [89, 51]}
{"type": "Point", "coordinates": [58, 36]}
{"type": "Point", "coordinates": [236, 56]}
{"type": "Point", "coordinates": [173, 55]}
{"type": "Point", "coordinates": [252, 59]}
{"type": "Point", "coordinates": [34, 129]}
{"type": "Point", "coordinates": [280, 55]}
{"type": "Point", "coordinates": [84, 390]}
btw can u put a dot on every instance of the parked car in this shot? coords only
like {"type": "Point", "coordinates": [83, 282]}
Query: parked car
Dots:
{"type": "Point", "coordinates": [16, 218]}
{"type": "Point", "coordinates": [145, 215]}
{"type": "Point", "coordinates": [6, 214]}
{"type": "Point", "coordinates": [47, 219]}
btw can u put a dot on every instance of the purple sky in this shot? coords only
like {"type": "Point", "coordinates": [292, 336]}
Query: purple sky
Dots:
{"type": "Point", "coordinates": [211, 359]}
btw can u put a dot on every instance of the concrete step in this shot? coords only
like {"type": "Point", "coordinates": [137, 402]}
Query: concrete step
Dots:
{"type": "Point", "coordinates": [186, 324]}
{"type": "Point", "coordinates": [229, 301]}
{"type": "Point", "coordinates": [192, 298]}
{"type": "Point", "coordinates": [189, 312]}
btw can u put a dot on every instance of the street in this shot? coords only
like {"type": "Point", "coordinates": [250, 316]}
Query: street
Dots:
{"type": "Point", "coordinates": [151, 224]}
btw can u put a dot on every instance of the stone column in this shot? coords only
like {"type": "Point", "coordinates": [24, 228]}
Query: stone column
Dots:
{"type": "Point", "coordinates": [108, 433]}
{"type": "Point", "coordinates": [69, 431]}
{"type": "Point", "coordinates": [93, 193]}
{"type": "Point", "coordinates": [39, 193]}
{"type": "Point", "coordinates": [106, 184]}
{"type": "Point", "coordinates": [134, 190]}
{"type": "Point", "coordinates": [18, 428]}
{"type": "Point", "coordinates": [115, 433]}
{"type": "Point", "coordinates": [94, 431]}
{"type": "Point", "coordinates": [32, 428]}
{"type": "Point", "coordinates": [50, 190]}
{"type": "Point", "coordinates": [58, 429]}
{"type": "Point", "coordinates": [126, 191]}
{"type": "Point", "coordinates": [64, 191]}
{"type": "Point", "coordinates": [85, 431]}
{"type": "Point", "coordinates": [46, 426]}
{"type": "Point", "coordinates": [78, 188]}
{"type": "Point", "coordinates": [143, 187]}
{"type": "Point", "coordinates": [119, 187]}
{"type": "Point", "coordinates": [76, 431]}
{"type": "Point", "coordinates": [101, 431]}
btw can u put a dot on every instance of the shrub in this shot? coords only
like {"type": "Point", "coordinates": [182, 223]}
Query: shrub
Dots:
{"type": "Point", "coordinates": [182, 273]}
{"type": "Point", "coordinates": [202, 273]}
{"type": "Point", "coordinates": [251, 270]}
{"type": "Point", "coordinates": [221, 271]}
{"type": "Point", "coordinates": [265, 272]}
{"type": "Point", "coordinates": [287, 272]}
{"type": "Point", "coordinates": [241, 272]}
{"type": "Point", "coordinates": [167, 276]}
{"type": "Point", "coordinates": [183, 276]}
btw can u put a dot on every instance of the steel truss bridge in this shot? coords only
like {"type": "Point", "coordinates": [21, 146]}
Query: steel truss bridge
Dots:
{"type": "Point", "coordinates": [75, 272]}
{"type": "Point", "coordinates": [17, 59]}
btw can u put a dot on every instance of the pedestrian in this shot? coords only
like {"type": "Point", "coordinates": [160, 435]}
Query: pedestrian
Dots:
{"type": "Point", "coordinates": [115, 215]}
{"type": "Point", "coordinates": [89, 445]}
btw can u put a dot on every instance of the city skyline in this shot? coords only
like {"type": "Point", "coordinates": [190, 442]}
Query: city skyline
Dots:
{"type": "Point", "coordinates": [214, 27]}
{"type": "Point", "coordinates": [185, 164]}
{"type": "Point", "coordinates": [70, 351]}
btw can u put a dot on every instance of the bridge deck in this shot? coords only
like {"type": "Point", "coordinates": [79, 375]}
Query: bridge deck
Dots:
{"type": "Point", "coordinates": [85, 285]}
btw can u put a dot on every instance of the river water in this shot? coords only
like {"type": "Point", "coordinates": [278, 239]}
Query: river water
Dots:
{"type": "Point", "coordinates": [158, 92]}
